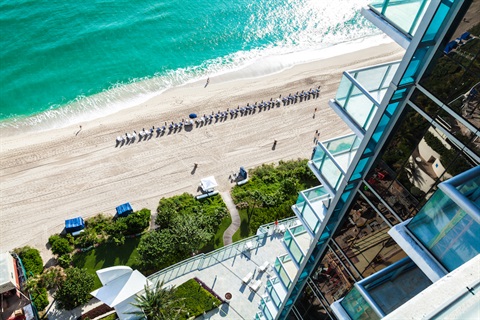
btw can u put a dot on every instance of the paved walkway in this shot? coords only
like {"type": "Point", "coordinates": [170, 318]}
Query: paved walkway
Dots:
{"type": "Point", "coordinates": [227, 235]}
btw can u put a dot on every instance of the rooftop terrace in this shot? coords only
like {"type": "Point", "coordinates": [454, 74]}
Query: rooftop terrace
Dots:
{"type": "Point", "coordinates": [223, 270]}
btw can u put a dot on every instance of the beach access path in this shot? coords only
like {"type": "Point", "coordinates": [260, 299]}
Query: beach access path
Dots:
{"type": "Point", "coordinates": [47, 177]}
{"type": "Point", "coordinates": [232, 209]}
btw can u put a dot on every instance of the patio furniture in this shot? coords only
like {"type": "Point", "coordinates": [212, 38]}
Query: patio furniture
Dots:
{"type": "Point", "coordinates": [281, 228]}
{"type": "Point", "coordinates": [255, 285]}
{"type": "Point", "coordinates": [247, 278]}
{"type": "Point", "coordinates": [208, 184]}
{"type": "Point", "coordinates": [264, 266]}
{"type": "Point", "coordinates": [248, 245]}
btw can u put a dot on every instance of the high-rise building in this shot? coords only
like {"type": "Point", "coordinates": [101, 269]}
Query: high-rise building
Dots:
{"type": "Point", "coordinates": [394, 228]}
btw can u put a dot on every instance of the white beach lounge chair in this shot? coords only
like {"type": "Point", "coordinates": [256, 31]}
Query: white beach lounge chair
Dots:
{"type": "Point", "coordinates": [264, 266]}
{"type": "Point", "coordinates": [255, 285]}
{"type": "Point", "coordinates": [248, 245]}
{"type": "Point", "coordinates": [247, 278]}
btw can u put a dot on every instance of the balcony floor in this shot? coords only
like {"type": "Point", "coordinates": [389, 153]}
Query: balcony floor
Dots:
{"type": "Point", "coordinates": [345, 159]}
{"type": "Point", "coordinates": [392, 294]}
{"type": "Point", "coordinates": [291, 269]}
{"type": "Point", "coordinates": [304, 240]}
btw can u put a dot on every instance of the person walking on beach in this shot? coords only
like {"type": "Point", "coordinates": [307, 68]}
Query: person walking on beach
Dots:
{"type": "Point", "coordinates": [208, 81]}
{"type": "Point", "coordinates": [79, 130]}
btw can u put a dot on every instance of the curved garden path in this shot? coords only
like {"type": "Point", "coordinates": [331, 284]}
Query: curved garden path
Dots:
{"type": "Point", "coordinates": [227, 235]}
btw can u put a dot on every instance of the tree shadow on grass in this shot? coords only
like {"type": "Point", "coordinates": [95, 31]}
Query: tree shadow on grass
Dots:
{"type": "Point", "coordinates": [108, 255]}
{"type": "Point", "coordinates": [244, 228]}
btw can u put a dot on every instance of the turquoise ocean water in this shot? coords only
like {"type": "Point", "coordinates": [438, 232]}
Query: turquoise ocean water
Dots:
{"type": "Point", "coordinates": [66, 61]}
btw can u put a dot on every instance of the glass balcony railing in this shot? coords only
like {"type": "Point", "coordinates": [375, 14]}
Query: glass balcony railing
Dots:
{"type": "Point", "coordinates": [276, 291]}
{"type": "Point", "coordinates": [343, 149]}
{"type": "Point", "coordinates": [403, 14]}
{"type": "Point", "coordinates": [297, 240]}
{"type": "Point", "coordinates": [265, 310]}
{"type": "Point", "coordinates": [361, 91]}
{"type": "Point", "coordinates": [333, 157]}
{"type": "Point", "coordinates": [311, 206]}
{"type": "Point", "coordinates": [357, 307]}
{"type": "Point", "coordinates": [448, 232]}
{"type": "Point", "coordinates": [286, 269]}
{"type": "Point", "coordinates": [402, 280]}
{"type": "Point", "coordinates": [327, 167]}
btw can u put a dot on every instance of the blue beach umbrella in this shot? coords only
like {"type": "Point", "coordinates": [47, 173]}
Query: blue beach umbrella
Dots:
{"type": "Point", "coordinates": [192, 115]}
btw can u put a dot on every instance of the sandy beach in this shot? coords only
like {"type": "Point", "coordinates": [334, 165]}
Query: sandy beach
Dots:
{"type": "Point", "coordinates": [50, 176]}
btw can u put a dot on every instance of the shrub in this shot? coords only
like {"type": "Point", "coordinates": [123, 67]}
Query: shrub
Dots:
{"type": "Point", "coordinates": [137, 221]}
{"type": "Point", "coordinates": [75, 290]}
{"type": "Point", "coordinates": [117, 231]}
{"type": "Point", "coordinates": [87, 238]}
{"type": "Point", "coordinates": [99, 223]}
{"type": "Point", "coordinates": [156, 249]}
{"type": "Point", "coordinates": [52, 277]}
{"type": "Point", "coordinates": [271, 191]}
{"type": "Point", "coordinates": [61, 246]}
{"type": "Point", "coordinates": [53, 238]}
{"type": "Point", "coordinates": [65, 260]}
{"type": "Point", "coordinates": [31, 259]}
{"type": "Point", "coordinates": [40, 298]}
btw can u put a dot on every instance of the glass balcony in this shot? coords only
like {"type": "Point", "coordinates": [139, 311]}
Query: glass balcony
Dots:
{"type": "Point", "coordinates": [311, 206]}
{"type": "Point", "coordinates": [357, 307]}
{"type": "Point", "coordinates": [333, 157]}
{"type": "Point", "coordinates": [384, 291]}
{"type": "Point", "coordinates": [276, 291]}
{"type": "Point", "coordinates": [403, 14]}
{"type": "Point", "coordinates": [264, 307]}
{"type": "Point", "coordinates": [297, 240]}
{"type": "Point", "coordinates": [343, 149]}
{"type": "Point", "coordinates": [446, 230]}
{"type": "Point", "coordinates": [361, 91]}
{"type": "Point", "coordinates": [286, 269]}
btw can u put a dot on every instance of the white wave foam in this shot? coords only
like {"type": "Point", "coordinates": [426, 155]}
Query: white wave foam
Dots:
{"type": "Point", "coordinates": [312, 42]}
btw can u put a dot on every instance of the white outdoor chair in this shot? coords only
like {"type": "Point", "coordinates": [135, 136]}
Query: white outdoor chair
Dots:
{"type": "Point", "coordinates": [247, 278]}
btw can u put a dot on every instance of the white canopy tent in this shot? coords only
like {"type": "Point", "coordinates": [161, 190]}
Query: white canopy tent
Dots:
{"type": "Point", "coordinates": [8, 273]}
{"type": "Point", "coordinates": [208, 184]}
{"type": "Point", "coordinates": [120, 286]}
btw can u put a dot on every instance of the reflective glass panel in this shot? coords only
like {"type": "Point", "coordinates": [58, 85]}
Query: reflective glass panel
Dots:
{"type": "Point", "coordinates": [450, 234]}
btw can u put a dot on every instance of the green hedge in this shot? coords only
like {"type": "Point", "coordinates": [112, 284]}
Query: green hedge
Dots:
{"type": "Point", "coordinates": [196, 299]}
{"type": "Point", "coordinates": [60, 245]}
{"type": "Point", "coordinates": [31, 259]}
{"type": "Point", "coordinates": [40, 298]}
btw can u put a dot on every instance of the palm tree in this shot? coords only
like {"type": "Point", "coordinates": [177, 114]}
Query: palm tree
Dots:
{"type": "Point", "coordinates": [157, 303]}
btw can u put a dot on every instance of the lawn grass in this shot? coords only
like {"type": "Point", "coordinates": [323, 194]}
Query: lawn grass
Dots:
{"type": "Point", "coordinates": [108, 255]}
{"type": "Point", "coordinates": [244, 230]}
{"type": "Point", "coordinates": [196, 299]}
{"type": "Point", "coordinates": [217, 241]}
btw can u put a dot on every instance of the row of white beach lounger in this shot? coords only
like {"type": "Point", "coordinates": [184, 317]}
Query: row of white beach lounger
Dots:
{"type": "Point", "coordinates": [220, 115]}
{"type": "Point", "coordinates": [254, 285]}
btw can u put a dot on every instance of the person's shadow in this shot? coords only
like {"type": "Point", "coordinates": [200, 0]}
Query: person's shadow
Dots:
{"type": "Point", "coordinates": [274, 145]}
{"type": "Point", "coordinates": [194, 169]}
